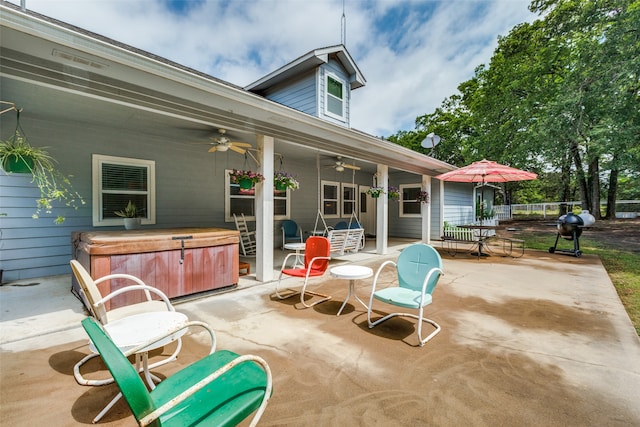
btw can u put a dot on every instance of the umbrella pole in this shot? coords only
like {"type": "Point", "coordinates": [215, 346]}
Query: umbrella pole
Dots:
{"type": "Point", "coordinates": [482, 201]}
{"type": "Point", "coordinates": [480, 242]}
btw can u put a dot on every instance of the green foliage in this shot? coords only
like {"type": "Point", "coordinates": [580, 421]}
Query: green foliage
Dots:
{"type": "Point", "coordinates": [629, 187]}
{"type": "Point", "coordinates": [560, 96]}
{"type": "Point", "coordinates": [130, 211]}
{"type": "Point", "coordinates": [53, 185]}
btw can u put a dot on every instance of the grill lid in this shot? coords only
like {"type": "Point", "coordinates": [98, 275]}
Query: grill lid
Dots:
{"type": "Point", "coordinates": [569, 223]}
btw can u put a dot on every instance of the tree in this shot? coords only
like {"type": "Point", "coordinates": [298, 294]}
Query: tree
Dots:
{"type": "Point", "coordinates": [559, 94]}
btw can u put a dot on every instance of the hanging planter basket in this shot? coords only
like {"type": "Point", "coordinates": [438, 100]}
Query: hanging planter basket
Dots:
{"type": "Point", "coordinates": [246, 184]}
{"type": "Point", "coordinates": [282, 181]}
{"type": "Point", "coordinates": [15, 164]}
{"type": "Point", "coordinates": [375, 192]}
{"type": "Point", "coordinates": [246, 180]}
{"type": "Point", "coordinates": [393, 193]}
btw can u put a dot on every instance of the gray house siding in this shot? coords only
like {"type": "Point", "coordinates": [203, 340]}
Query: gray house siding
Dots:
{"type": "Point", "coordinates": [189, 192]}
{"type": "Point", "coordinates": [403, 227]}
{"type": "Point", "coordinates": [458, 203]}
{"type": "Point", "coordinates": [436, 223]}
{"type": "Point", "coordinates": [298, 93]}
{"type": "Point", "coordinates": [412, 227]}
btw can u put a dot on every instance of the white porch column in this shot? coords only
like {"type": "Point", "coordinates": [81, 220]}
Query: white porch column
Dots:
{"type": "Point", "coordinates": [441, 202]}
{"type": "Point", "coordinates": [264, 210]}
{"type": "Point", "coordinates": [425, 209]}
{"type": "Point", "coordinates": [382, 213]}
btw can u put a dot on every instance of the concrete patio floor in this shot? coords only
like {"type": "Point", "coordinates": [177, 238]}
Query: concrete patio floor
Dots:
{"type": "Point", "coordinates": [539, 340]}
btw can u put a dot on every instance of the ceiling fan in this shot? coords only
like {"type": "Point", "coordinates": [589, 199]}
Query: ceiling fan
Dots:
{"type": "Point", "coordinates": [340, 166]}
{"type": "Point", "coordinates": [223, 143]}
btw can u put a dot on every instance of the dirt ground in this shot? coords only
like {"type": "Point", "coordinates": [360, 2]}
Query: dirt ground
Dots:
{"type": "Point", "coordinates": [622, 234]}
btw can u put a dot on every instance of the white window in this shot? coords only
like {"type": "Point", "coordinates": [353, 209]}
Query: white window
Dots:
{"type": "Point", "coordinates": [349, 194]}
{"type": "Point", "coordinates": [330, 199]}
{"type": "Point", "coordinates": [238, 201]}
{"type": "Point", "coordinates": [335, 95]}
{"type": "Point", "coordinates": [118, 180]}
{"type": "Point", "coordinates": [410, 207]}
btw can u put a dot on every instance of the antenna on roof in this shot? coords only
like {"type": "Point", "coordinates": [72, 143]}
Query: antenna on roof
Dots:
{"type": "Point", "coordinates": [344, 26]}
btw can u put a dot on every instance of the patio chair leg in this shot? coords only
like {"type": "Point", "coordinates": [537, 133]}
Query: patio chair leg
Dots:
{"type": "Point", "coordinates": [423, 341]}
{"type": "Point", "coordinates": [107, 408]}
{"type": "Point", "coordinates": [323, 296]}
{"type": "Point", "coordinates": [151, 379]}
{"type": "Point", "coordinates": [420, 319]}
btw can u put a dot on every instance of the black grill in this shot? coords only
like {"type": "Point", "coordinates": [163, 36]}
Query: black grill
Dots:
{"type": "Point", "coordinates": [569, 228]}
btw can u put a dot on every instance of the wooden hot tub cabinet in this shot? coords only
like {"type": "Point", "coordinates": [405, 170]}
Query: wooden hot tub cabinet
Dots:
{"type": "Point", "coordinates": [178, 261]}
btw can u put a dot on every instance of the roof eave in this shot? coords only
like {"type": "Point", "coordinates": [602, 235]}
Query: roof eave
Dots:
{"type": "Point", "coordinates": [309, 61]}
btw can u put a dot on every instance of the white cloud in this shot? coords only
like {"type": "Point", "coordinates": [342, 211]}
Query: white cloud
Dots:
{"type": "Point", "coordinates": [413, 54]}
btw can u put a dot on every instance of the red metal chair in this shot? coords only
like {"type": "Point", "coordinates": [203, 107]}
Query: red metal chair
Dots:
{"type": "Point", "coordinates": [316, 261]}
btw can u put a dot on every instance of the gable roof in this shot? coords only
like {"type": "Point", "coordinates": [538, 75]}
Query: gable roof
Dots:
{"type": "Point", "coordinates": [309, 61]}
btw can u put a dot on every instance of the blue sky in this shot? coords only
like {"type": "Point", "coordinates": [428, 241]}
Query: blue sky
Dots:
{"type": "Point", "coordinates": [413, 54]}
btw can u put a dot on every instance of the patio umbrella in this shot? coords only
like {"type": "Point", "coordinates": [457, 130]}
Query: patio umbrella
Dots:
{"type": "Point", "coordinates": [485, 171]}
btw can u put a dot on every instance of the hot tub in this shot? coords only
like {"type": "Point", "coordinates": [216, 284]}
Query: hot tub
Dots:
{"type": "Point", "coordinates": [178, 261]}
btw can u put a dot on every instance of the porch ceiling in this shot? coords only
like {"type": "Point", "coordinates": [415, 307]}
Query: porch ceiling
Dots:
{"type": "Point", "coordinates": [70, 77]}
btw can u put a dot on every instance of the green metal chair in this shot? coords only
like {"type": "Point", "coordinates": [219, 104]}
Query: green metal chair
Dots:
{"type": "Point", "coordinates": [419, 267]}
{"type": "Point", "coordinates": [221, 389]}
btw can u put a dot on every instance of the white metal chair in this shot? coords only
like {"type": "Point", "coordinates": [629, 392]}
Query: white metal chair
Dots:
{"type": "Point", "coordinates": [132, 324]}
{"type": "Point", "coordinates": [418, 268]}
{"type": "Point", "coordinates": [316, 261]}
{"type": "Point", "coordinates": [247, 238]}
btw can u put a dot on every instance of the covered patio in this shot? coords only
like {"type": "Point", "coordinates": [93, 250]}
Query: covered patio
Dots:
{"type": "Point", "coordinates": [538, 340]}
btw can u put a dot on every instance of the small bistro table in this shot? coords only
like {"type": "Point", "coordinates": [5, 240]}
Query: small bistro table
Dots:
{"type": "Point", "coordinates": [481, 237]}
{"type": "Point", "coordinates": [351, 273]}
{"type": "Point", "coordinates": [299, 248]}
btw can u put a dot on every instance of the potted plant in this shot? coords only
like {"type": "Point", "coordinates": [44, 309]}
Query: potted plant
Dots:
{"type": "Point", "coordinates": [393, 193]}
{"type": "Point", "coordinates": [422, 197]}
{"type": "Point", "coordinates": [246, 180]}
{"type": "Point", "coordinates": [375, 192]}
{"type": "Point", "coordinates": [284, 180]}
{"type": "Point", "coordinates": [132, 219]}
{"type": "Point", "coordinates": [18, 156]}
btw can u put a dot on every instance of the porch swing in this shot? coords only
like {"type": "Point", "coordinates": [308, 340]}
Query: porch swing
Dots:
{"type": "Point", "coordinates": [319, 217]}
{"type": "Point", "coordinates": [343, 239]}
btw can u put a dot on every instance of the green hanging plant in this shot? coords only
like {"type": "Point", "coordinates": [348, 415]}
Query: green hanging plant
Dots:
{"type": "Point", "coordinates": [375, 192]}
{"type": "Point", "coordinates": [285, 180]}
{"type": "Point", "coordinates": [18, 156]}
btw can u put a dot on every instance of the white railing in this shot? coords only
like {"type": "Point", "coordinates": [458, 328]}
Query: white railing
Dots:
{"type": "Point", "coordinates": [504, 212]}
{"type": "Point", "coordinates": [457, 233]}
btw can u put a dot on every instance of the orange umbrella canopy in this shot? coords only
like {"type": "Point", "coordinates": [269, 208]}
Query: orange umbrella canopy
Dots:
{"type": "Point", "coordinates": [486, 171]}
